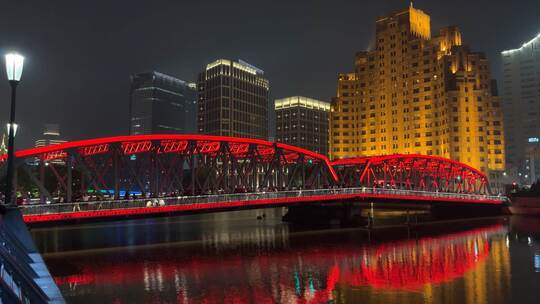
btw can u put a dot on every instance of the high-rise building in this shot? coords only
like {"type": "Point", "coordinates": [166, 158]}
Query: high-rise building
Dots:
{"type": "Point", "coordinates": [160, 103]}
{"type": "Point", "coordinates": [415, 93]}
{"type": "Point", "coordinates": [303, 122]}
{"type": "Point", "coordinates": [343, 129]}
{"type": "Point", "coordinates": [521, 104]}
{"type": "Point", "coordinates": [50, 136]}
{"type": "Point", "coordinates": [233, 100]}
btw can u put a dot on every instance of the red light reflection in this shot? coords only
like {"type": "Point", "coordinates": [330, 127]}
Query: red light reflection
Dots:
{"type": "Point", "coordinates": [306, 275]}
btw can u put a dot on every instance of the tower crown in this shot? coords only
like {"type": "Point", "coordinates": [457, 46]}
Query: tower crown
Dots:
{"type": "Point", "coordinates": [416, 21]}
{"type": "Point", "coordinates": [419, 22]}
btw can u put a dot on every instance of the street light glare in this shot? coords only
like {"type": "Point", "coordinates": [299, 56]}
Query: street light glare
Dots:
{"type": "Point", "coordinates": [15, 126]}
{"type": "Point", "coordinates": [14, 66]}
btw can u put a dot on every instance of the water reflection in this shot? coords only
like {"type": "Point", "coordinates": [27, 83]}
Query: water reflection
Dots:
{"type": "Point", "coordinates": [524, 243]}
{"type": "Point", "coordinates": [469, 267]}
{"type": "Point", "coordinates": [217, 230]}
{"type": "Point", "coordinates": [250, 261]}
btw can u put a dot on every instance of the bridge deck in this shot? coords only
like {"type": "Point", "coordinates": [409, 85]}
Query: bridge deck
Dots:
{"type": "Point", "coordinates": [117, 208]}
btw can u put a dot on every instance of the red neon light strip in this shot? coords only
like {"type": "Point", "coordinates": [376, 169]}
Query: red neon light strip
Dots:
{"type": "Point", "coordinates": [54, 155]}
{"type": "Point", "coordinates": [169, 146]}
{"type": "Point", "coordinates": [108, 140]}
{"type": "Point", "coordinates": [136, 147]}
{"type": "Point", "coordinates": [239, 148]}
{"type": "Point", "coordinates": [93, 150]}
{"type": "Point", "coordinates": [208, 147]}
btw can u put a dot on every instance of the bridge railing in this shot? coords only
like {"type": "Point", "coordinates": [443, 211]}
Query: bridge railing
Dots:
{"type": "Point", "coordinates": [17, 277]}
{"type": "Point", "coordinates": [224, 198]}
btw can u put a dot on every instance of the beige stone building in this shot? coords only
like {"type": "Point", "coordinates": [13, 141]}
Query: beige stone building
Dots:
{"type": "Point", "coordinates": [418, 93]}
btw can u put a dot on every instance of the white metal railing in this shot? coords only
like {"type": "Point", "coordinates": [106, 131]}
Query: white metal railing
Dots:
{"type": "Point", "coordinates": [8, 280]}
{"type": "Point", "coordinates": [38, 209]}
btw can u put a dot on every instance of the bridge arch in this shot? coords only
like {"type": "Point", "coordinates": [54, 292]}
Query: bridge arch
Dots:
{"type": "Point", "coordinates": [162, 164]}
{"type": "Point", "coordinates": [411, 172]}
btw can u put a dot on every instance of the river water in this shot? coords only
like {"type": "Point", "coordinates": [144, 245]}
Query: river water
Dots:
{"type": "Point", "coordinates": [236, 258]}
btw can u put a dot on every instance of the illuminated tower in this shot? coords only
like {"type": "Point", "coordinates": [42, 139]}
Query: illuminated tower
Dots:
{"type": "Point", "coordinates": [50, 136]}
{"type": "Point", "coordinates": [233, 100]}
{"type": "Point", "coordinates": [415, 93]}
{"type": "Point", "coordinates": [161, 103]}
{"type": "Point", "coordinates": [521, 103]}
{"type": "Point", "coordinates": [344, 119]}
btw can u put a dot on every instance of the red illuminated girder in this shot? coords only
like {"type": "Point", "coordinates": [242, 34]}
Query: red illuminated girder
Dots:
{"type": "Point", "coordinates": [266, 154]}
{"type": "Point", "coordinates": [421, 171]}
{"type": "Point", "coordinates": [53, 155]}
{"type": "Point", "coordinates": [238, 148]}
{"type": "Point", "coordinates": [172, 146]}
{"type": "Point", "coordinates": [136, 147]}
{"type": "Point", "coordinates": [93, 150]}
{"type": "Point", "coordinates": [291, 157]}
{"type": "Point", "coordinates": [208, 147]}
{"type": "Point", "coordinates": [263, 151]}
{"type": "Point", "coordinates": [229, 165]}
{"type": "Point", "coordinates": [350, 161]}
{"type": "Point", "coordinates": [143, 143]}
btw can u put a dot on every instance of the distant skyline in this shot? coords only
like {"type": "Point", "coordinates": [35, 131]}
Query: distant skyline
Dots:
{"type": "Point", "coordinates": [79, 56]}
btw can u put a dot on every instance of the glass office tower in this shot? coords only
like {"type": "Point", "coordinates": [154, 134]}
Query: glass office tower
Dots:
{"type": "Point", "coordinates": [233, 100]}
{"type": "Point", "coordinates": [161, 103]}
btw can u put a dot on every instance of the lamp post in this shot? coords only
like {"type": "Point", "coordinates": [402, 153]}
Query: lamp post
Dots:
{"type": "Point", "coordinates": [14, 67]}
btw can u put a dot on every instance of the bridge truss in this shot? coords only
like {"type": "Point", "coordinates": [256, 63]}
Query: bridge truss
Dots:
{"type": "Point", "coordinates": [167, 165]}
{"type": "Point", "coordinates": [411, 172]}
{"type": "Point", "coordinates": [151, 166]}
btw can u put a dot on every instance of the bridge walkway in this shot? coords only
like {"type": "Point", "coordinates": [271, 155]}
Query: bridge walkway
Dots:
{"type": "Point", "coordinates": [221, 202]}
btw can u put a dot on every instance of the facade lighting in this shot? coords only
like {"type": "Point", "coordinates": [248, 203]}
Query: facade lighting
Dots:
{"type": "Point", "coordinates": [525, 45]}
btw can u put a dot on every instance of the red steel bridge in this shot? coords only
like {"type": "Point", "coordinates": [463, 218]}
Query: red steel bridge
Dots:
{"type": "Point", "coordinates": [149, 174]}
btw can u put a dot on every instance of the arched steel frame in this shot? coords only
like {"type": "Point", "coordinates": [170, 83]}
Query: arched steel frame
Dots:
{"type": "Point", "coordinates": [411, 172]}
{"type": "Point", "coordinates": [161, 165]}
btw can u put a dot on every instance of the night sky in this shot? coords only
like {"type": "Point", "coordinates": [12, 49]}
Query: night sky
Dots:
{"type": "Point", "coordinates": [80, 54]}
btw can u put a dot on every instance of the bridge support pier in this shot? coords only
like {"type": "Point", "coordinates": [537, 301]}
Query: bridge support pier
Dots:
{"type": "Point", "coordinates": [465, 210]}
{"type": "Point", "coordinates": [344, 213]}
{"type": "Point", "coordinates": [361, 213]}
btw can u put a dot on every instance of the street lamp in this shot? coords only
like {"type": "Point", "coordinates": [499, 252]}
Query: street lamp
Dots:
{"type": "Point", "coordinates": [15, 126]}
{"type": "Point", "coordinates": [14, 68]}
